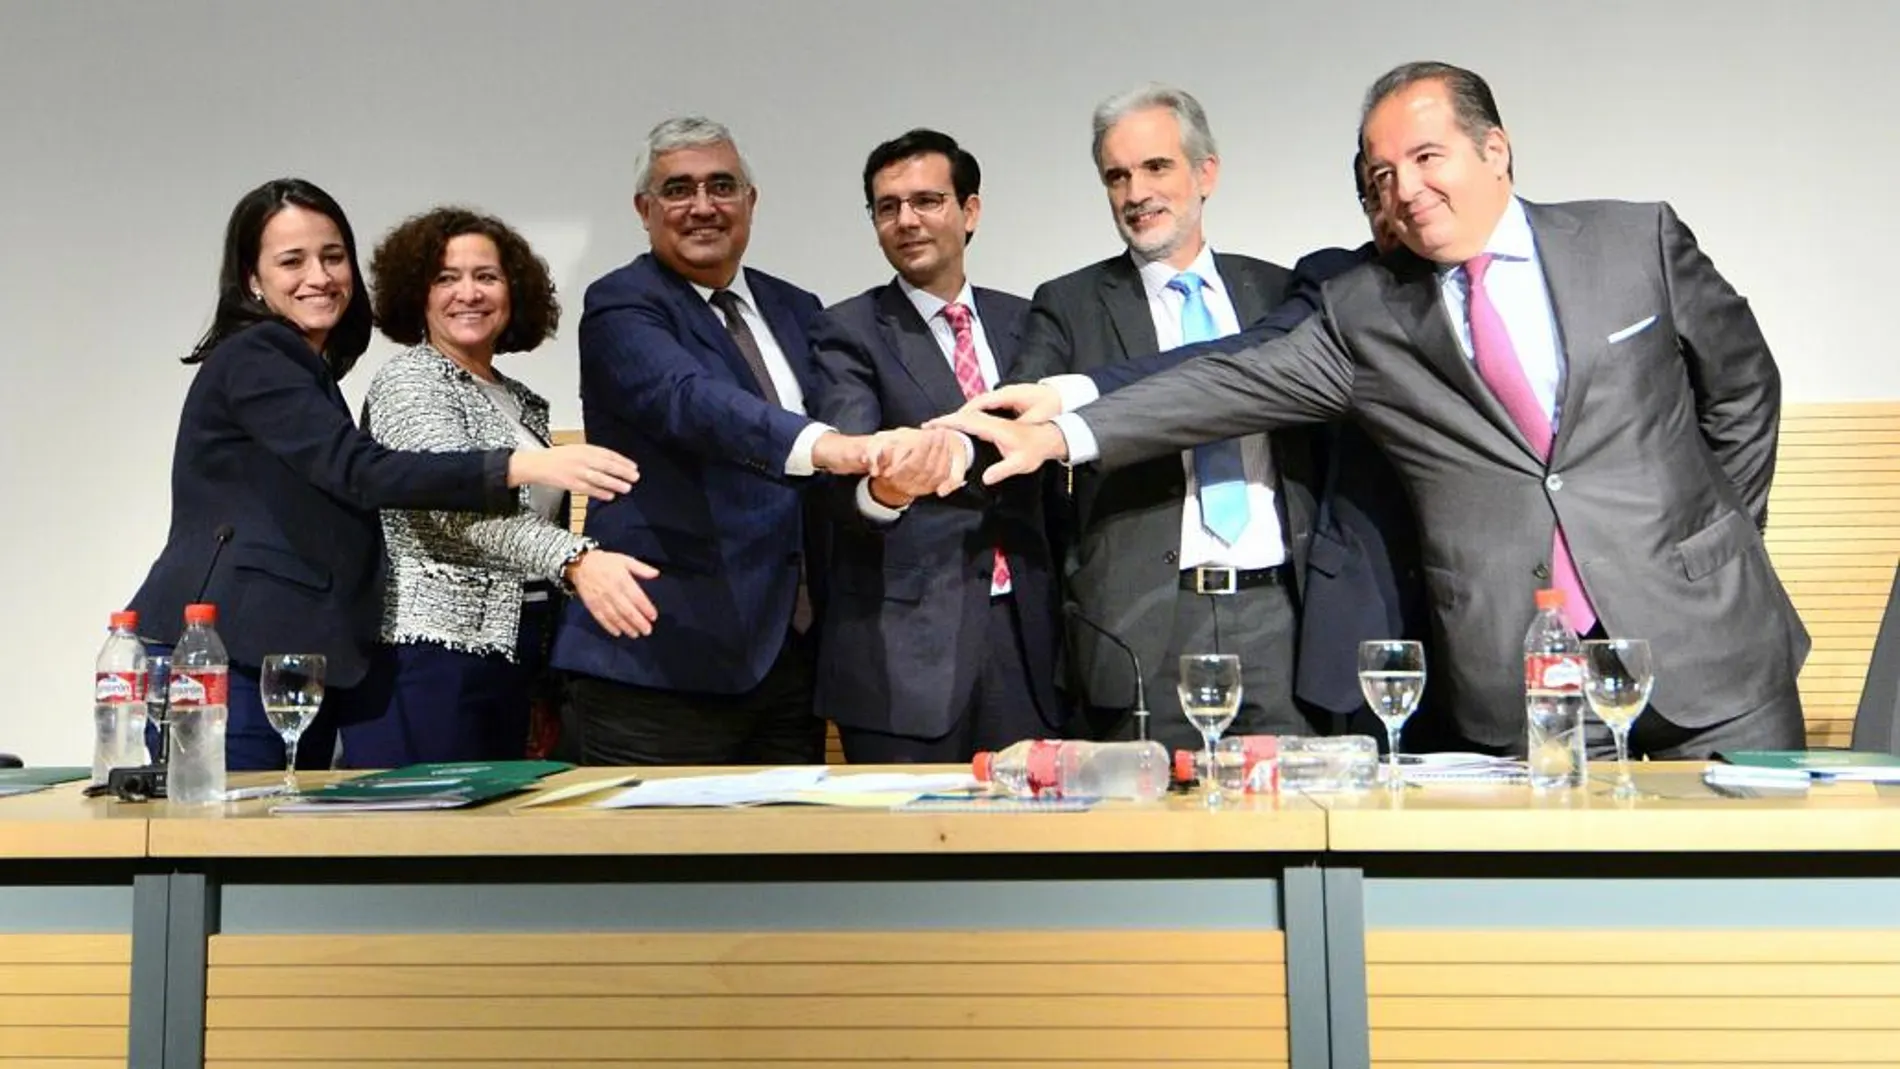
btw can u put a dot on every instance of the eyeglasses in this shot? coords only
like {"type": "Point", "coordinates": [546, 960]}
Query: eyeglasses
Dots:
{"type": "Point", "coordinates": [930, 202]}
{"type": "Point", "coordinates": [720, 189]}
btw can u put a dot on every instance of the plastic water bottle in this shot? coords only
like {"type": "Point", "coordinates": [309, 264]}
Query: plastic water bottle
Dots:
{"type": "Point", "coordinates": [1328, 763]}
{"type": "Point", "coordinates": [1245, 762]}
{"type": "Point", "coordinates": [118, 695]}
{"type": "Point", "coordinates": [201, 680]}
{"type": "Point", "coordinates": [1553, 697]}
{"type": "Point", "coordinates": [1044, 768]}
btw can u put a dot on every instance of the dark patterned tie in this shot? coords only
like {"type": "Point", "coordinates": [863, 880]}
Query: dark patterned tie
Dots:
{"type": "Point", "coordinates": [728, 304]}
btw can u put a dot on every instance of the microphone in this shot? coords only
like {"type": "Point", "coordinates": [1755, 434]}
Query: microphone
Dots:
{"type": "Point", "coordinates": [222, 536]}
{"type": "Point", "coordinates": [1140, 711]}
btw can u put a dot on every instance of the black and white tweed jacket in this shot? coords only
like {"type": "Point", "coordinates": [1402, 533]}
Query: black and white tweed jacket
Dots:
{"type": "Point", "coordinates": [455, 578]}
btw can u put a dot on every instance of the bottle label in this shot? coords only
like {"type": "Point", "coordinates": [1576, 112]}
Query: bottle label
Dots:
{"type": "Point", "coordinates": [1561, 672]}
{"type": "Point", "coordinates": [114, 687]}
{"type": "Point", "coordinates": [1042, 766]}
{"type": "Point", "coordinates": [199, 688]}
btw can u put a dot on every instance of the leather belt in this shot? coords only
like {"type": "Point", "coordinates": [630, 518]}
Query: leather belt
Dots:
{"type": "Point", "coordinates": [1215, 579]}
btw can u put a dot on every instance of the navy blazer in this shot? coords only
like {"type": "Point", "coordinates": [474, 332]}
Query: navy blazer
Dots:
{"type": "Point", "coordinates": [909, 601]}
{"type": "Point", "coordinates": [1362, 578]}
{"type": "Point", "coordinates": [663, 382]}
{"type": "Point", "coordinates": [267, 448]}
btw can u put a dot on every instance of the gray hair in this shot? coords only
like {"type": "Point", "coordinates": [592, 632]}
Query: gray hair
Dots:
{"type": "Point", "coordinates": [1197, 141]}
{"type": "Point", "coordinates": [685, 131]}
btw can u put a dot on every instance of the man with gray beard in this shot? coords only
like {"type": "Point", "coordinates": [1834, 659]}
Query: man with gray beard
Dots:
{"type": "Point", "coordinates": [1195, 553]}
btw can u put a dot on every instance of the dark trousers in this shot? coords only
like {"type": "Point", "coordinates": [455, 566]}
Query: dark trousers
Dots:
{"type": "Point", "coordinates": [1775, 726]}
{"type": "Point", "coordinates": [609, 723]}
{"type": "Point", "coordinates": [1002, 707]}
{"type": "Point", "coordinates": [252, 745]}
{"type": "Point", "coordinates": [448, 705]}
{"type": "Point", "coordinates": [1259, 625]}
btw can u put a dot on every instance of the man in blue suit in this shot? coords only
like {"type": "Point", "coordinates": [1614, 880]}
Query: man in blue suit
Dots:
{"type": "Point", "coordinates": [940, 627]}
{"type": "Point", "coordinates": [702, 369]}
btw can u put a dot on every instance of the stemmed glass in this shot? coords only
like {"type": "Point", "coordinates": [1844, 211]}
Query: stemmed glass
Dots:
{"type": "Point", "coordinates": [1617, 677]}
{"type": "Point", "coordinates": [1210, 698]}
{"type": "Point", "coordinates": [1392, 677]}
{"type": "Point", "coordinates": [291, 685]}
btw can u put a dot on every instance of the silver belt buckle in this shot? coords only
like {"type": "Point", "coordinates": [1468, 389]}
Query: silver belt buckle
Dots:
{"type": "Point", "coordinates": [1214, 579]}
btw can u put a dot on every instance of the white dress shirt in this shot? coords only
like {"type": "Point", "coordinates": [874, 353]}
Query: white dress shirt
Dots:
{"type": "Point", "coordinates": [1522, 296]}
{"type": "Point", "coordinates": [784, 380]}
{"type": "Point", "coordinates": [1262, 543]}
{"type": "Point", "coordinates": [930, 307]}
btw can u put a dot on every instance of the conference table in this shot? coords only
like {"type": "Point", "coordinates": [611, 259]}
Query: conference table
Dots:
{"type": "Point", "coordinates": [1435, 927]}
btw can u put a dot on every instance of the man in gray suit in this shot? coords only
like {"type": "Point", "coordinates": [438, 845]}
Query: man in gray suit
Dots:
{"type": "Point", "coordinates": [1196, 551]}
{"type": "Point", "coordinates": [1573, 396]}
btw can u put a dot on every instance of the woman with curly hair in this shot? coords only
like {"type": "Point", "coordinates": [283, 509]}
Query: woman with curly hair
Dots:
{"type": "Point", "coordinates": [469, 603]}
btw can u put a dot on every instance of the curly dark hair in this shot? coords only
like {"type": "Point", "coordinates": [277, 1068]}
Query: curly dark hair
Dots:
{"type": "Point", "coordinates": [408, 257]}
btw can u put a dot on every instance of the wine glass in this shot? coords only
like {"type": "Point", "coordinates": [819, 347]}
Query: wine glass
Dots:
{"type": "Point", "coordinates": [1617, 677]}
{"type": "Point", "coordinates": [1210, 699]}
{"type": "Point", "coordinates": [1392, 677]}
{"type": "Point", "coordinates": [291, 685]}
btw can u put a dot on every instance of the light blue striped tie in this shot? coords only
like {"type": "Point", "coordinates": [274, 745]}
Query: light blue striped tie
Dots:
{"type": "Point", "coordinates": [1217, 465]}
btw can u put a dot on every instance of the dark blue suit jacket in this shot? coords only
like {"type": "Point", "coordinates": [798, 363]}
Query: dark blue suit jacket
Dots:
{"type": "Point", "coordinates": [266, 447]}
{"type": "Point", "coordinates": [663, 382]}
{"type": "Point", "coordinates": [1362, 575]}
{"type": "Point", "coordinates": [909, 602]}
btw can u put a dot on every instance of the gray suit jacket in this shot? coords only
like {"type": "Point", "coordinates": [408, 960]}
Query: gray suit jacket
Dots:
{"type": "Point", "coordinates": [1659, 473]}
{"type": "Point", "coordinates": [1120, 532]}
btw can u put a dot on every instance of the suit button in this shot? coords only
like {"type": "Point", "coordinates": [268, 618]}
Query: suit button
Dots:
{"type": "Point", "coordinates": [1542, 571]}
{"type": "Point", "coordinates": [1171, 556]}
{"type": "Point", "coordinates": [1553, 482]}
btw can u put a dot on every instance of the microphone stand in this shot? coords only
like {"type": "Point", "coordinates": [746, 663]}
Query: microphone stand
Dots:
{"type": "Point", "coordinates": [1140, 711]}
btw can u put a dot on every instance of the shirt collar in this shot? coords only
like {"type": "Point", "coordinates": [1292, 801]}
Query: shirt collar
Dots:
{"type": "Point", "coordinates": [737, 286]}
{"type": "Point", "coordinates": [1156, 274]}
{"type": "Point", "coordinates": [929, 305]}
{"type": "Point", "coordinates": [1511, 239]}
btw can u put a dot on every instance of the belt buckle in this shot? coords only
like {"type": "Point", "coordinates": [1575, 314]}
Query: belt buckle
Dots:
{"type": "Point", "coordinates": [1215, 579]}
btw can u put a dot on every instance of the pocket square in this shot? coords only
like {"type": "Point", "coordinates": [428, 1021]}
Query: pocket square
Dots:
{"type": "Point", "coordinates": [1633, 329]}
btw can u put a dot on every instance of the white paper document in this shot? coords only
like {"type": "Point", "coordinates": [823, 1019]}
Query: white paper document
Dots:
{"type": "Point", "coordinates": [804, 784]}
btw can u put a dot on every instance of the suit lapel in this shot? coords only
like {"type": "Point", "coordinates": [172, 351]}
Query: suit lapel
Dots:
{"type": "Point", "coordinates": [1127, 305]}
{"type": "Point", "coordinates": [1249, 303]}
{"type": "Point", "coordinates": [705, 325]}
{"type": "Point", "coordinates": [907, 335]}
{"type": "Point", "coordinates": [1003, 329]}
{"type": "Point", "coordinates": [1414, 298]}
{"type": "Point", "coordinates": [1566, 252]}
{"type": "Point", "coordinates": [792, 339]}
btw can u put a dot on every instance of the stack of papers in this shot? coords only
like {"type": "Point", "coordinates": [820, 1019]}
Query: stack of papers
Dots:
{"type": "Point", "coordinates": [1470, 768]}
{"type": "Point", "coordinates": [441, 785]}
{"type": "Point", "coordinates": [803, 785]}
{"type": "Point", "coordinates": [1823, 765]}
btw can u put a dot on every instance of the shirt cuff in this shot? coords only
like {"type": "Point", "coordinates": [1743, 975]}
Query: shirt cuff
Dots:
{"type": "Point", "coordinates": [872, 509]}
{"type": "Point", "coordinates": [1075, 431]}
{"type": "Point", "coordinates": [1075, 390]}
{"type": "Point", "coordinates": [798, 461]}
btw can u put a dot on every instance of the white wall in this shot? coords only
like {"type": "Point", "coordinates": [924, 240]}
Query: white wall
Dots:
{"type": "Point", "coordinates": [129, 127]}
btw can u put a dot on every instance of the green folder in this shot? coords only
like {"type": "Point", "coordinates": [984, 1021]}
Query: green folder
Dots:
{"type": "Point", "coordinates": [27, 780]}
{"type": "Point", "coordinates": [439, 785]}
{"type": "Point", "coordinates": [1823, 764]}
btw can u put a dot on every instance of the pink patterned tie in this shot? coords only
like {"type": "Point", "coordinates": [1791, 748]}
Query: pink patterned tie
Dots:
{"type": "Point", "coordinates": [1501, 370]}
{"type": "Point", "coordinates": [970, 378]}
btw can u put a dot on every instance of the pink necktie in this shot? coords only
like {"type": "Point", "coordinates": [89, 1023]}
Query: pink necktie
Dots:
{"type": "Point", "coordinates": [1500, 369]}
{"type": "Point", "coordinates": [970, 378]}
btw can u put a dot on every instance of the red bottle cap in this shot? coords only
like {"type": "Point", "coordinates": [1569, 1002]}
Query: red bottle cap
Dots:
{"type": "Point", "coordinates": [201, 614]}
{"type": "Point", "coordinates": [125, 620]}
{"type": "Point", "coordinates": [981, 766]}
{"type": "Point", "coordinates": [1550, 599]}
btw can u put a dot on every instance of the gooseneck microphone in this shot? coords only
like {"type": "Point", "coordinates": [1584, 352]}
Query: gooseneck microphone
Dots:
{"type": "Point", "coordinates": [1140, 711]}
{"type": "Point", "coordinates": [221, 537]}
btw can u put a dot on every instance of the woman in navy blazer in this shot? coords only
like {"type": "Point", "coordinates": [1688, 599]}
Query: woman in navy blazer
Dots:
{"type": "Point", "coordinates": [275, 491]}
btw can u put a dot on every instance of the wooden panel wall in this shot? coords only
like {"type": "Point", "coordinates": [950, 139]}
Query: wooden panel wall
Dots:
{"type": "Point", "coordinates": [1834, 535]}
{"type": "Point", "coordinates": [796, 1000]}
{"type": "Point", "coordinates": [1590, 998]}
{"type": "Point", "coordinates": [64, 1000]}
